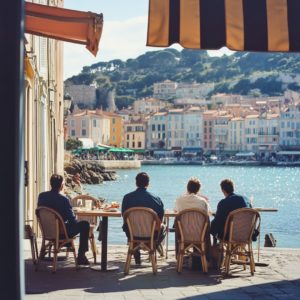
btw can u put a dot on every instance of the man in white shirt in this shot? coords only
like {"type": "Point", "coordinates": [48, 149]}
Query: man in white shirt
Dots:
{"type": "Point", "coordinates": [192, 198]}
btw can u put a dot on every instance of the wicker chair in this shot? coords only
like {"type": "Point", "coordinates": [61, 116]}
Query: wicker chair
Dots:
{"type": "Point", "coordinates": [143, 223]}
{"type": "Point", "coordinates": [191, 229]}
{"type": "Point", "coordinates": [237, 240]}
{"type": "Point", "coordinates": [81, 200]}
{"type": "Point", "coordinates": [55, 238]}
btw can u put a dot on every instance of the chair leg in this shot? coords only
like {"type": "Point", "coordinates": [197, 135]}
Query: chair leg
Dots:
{"type": "Point", "coordinates": [154, 264]}
{"type": "Point", "coordinates": [252, 263]}
{"type": "Point", "coordinates": [179, 262]}
{"type": "Point", "coordinates": [54, 260]}
{"type": "Point", "coordinates": [128, 261]}
{"type": "Point", "coordinates": [74, 254]}
{"type": "Point", "coordinates": [227, 259]}
{"type": "Point", "coordinates": [94, 248]}
{"type": "Point", "coordinates": [204, 262]}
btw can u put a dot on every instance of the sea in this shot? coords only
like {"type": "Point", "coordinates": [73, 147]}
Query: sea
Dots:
{"type": "Point", "coordinates": [269, 187]}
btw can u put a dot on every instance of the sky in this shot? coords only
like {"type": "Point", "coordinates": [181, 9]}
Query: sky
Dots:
{"type": "Point", "coordinates": [124, 33]}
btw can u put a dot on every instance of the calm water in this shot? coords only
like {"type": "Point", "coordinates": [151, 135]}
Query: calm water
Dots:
{"type": "Point", "coordinates": [269, 186]}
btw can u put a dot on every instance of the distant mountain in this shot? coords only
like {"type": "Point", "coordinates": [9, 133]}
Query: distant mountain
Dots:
{"type": "Point", "coordinates": [241, 73]}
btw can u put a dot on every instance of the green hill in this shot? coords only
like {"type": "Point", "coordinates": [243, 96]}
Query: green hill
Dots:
{"type": "Point", "coordinates": [241, 73]}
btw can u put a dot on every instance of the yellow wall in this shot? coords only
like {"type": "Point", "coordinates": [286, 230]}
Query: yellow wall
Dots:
{"type": "Point", "coordinates": [116, 131]}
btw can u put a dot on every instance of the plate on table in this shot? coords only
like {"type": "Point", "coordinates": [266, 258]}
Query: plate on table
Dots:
{"type": "Point", "coordinates": [110, 209]}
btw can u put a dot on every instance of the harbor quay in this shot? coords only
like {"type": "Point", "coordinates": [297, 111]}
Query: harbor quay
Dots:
{"type": "Point", "coordinates": [276, 277]}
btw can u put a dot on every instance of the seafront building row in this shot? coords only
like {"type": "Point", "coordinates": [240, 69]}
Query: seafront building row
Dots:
{"type": "Point", "coordinates": [233, 128]}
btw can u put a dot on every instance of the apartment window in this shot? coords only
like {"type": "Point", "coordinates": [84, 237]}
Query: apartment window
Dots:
{"type": "Point", "coordinates": [139, 144]}
{"type": "Point", "coordinates": [205, 144]}
{"type": "Point", "coordinates": [133, 136]}
{"type": "Point", "coordinates": [113, 120]}
{"type": "Point", "coordinates": [72, 123]}
{"type": "Point", "coordinates": [127, 137]}
{"type": "Point", "coordinates": [163, 136]}
{"type": "Point", "coordinates": [129, 128]}
{"type": "Point", "coordinates": [114, 129]}
{"type": "Point", "coordinates": [127, 144]}
{"type": "Point", "coordinates": [164, 127]}
{"type": "Point", "coordinates": [114, 138]}
{"type": "Point", "coordinates": [94, 123]}
{"type": "Point", "coordinates": [83, 132]}
{"type": "Point", "coordinates": [133, 144]}
{"type": "Point", "coordinates": [158, 127]}
{"type": "Point", "coordinates": [83, 123]}
{"type": "Point", "coordinates": [73, 132]}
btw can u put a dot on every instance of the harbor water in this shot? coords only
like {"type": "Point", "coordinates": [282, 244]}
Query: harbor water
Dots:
{"type": "Point", "coordinates": [269, 187]}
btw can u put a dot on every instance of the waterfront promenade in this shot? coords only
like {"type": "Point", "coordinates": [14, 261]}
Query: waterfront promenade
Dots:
{"type": "Point", "coordinates": [279, 280]}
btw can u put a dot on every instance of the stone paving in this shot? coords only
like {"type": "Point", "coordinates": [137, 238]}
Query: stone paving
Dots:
{"type": "Point", "coordinates": [279, 280]}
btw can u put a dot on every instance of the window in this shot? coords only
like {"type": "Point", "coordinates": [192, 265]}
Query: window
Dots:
{"type": "Point", "coordinates": [83, 132]}
{"type": "Point", "coordinates": [72, 123]}
{"type": "Point", "coordinates": [127, 144]}
{"type": "Point", "coordinates": [158, 127]}
{"type": "Point", "coordinates": [127, 137]}
{"type": "Point", "coordinates": [133, 136]}
{"type": "Point", "coordinates": [83, 123]}
{"type": "Point", "coordinates": [133, 144]}
{"type": "Point", "coordinates": [73, 132]}
{"type": "Point", "coordinates": [114, 138]}
{"type": "Point", "coordinates": [139, 144]}
{"type": "Point", "coordinates": [114, 129]}
{"type": "Point", "coordinates": [164, 127]}
{"type": "Point", "coordinates": [113, 120]}
{"type": "Point", "coordinates": [94, 123]}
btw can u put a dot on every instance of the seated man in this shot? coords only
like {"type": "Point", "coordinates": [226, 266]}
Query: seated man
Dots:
{"type": "Point", "coordinates": [60, 203]}
{"type": "Point", "coordinates": [231, 202]}
{"type": "Point", "coordinates": [192, 198]}
{"type": "Point", "coordinates": [142, 198]}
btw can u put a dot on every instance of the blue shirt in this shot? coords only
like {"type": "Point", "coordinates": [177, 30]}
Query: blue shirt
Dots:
{"type": "Point", "coordinates": [225, 206]}
{"type": "Point", "coordinates": [59, 203]}
{"type": "Point", "coordinates": [142, 198]}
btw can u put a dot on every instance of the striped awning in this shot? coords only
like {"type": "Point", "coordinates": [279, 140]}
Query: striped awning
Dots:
{"type": "Point", "coordinates": [240, 25]}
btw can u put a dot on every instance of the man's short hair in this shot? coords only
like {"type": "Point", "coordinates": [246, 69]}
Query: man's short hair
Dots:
{"type": "Point", "coordinates": [56, 182]}
{"type": "Point", "coordinates": [227, 186]}
{"type": "Point", "coordinates": [193, 185]}
{"type": "Point", "coordinates": [142, 180]}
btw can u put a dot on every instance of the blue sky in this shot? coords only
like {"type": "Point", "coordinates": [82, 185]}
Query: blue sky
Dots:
{"type": "Point", "coordinates": [124, 33]}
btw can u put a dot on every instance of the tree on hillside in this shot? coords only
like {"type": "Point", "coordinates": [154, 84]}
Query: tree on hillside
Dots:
{"type": "Point", "coordinates": [72, 144]}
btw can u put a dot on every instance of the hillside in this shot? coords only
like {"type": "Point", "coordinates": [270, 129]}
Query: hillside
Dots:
{"type": "Point", "coordinates": [242, 73]}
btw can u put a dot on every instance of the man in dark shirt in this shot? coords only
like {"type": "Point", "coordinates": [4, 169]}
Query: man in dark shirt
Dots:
{"type": "Point", "coordinates": [60, 203]}
{"type": "Point", "coordinates": [231, 202]}
{"type": "Point", "coordinates": [142, 198]}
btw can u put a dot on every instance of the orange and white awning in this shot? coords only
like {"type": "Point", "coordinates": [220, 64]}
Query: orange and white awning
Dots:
{"type": "Point", "coordinates": [64, 24]}
{"type": "Point", "coordinates": [241, 25]}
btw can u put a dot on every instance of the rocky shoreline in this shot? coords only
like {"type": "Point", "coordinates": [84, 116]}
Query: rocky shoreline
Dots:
{"type": "Point", "coordinates": [91, 172]}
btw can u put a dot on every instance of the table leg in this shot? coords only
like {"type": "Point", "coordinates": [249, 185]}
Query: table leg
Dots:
{"type": "Point", "coordinates": [103, 267]}
{"type": "Point", "coordinates": [167, 238]}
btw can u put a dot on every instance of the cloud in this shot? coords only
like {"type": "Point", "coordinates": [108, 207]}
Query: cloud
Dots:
{"type": "Point", "coordinates": [120, 39]}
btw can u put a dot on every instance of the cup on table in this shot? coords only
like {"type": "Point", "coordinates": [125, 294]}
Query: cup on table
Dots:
{"type": "Point", "coordinates": [89, 204]}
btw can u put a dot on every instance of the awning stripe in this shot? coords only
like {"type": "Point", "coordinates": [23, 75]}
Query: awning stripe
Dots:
{"type": "Point", "coordinates": [234, 24]}
{"type": "Point", "coordinates": [246, 25]}
{"type": "Point", "coordinates": [255, 25]}
{"type": "Point", "coordinates": [278, 34]}
{"type": "Point", "coordinates": [293, 12]}
{"type": "Point", "coordinates": [212, 20]}
{"type": "Point", "coordinates": [174, 21]}
{"type": "Point", "coordinates": [190, 24]}
{"type": "Point", "coordinates": [158, 24]}
{"type": "Point", "coordinates": [64, 24]}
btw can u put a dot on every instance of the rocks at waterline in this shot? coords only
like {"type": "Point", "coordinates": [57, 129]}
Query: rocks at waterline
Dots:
{"type": "Point", "coordinates": [91, 172]}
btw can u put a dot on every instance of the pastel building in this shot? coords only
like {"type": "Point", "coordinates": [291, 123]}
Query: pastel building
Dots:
{"type": "Point", "coordinates": [156, 131]}
{"type": "Point", "coordinates": [135, 134]}
{"type": "Point", "coordinates": [251, 132]}
{"type": "Point", "coordinates": [175, 129]}
{"type": "Point", "coordinates": [208, 134]}
{"type": "Point", "coordinates": [148, 105]}
{"type": "Point", "coordinates": [116, 129]}
{"type": "Point", "coordinates": [236, 134]}
{"type": "Point", "coordinates": [290, 128]}
{"type": "Point", "coordinates": [90, 124]}
{"type": "Point", "coordinates": [221, 131]}
{"type": "Point", "coordinates": [192, 123]}
{"type": "Point", "coordinates": [165, 90]}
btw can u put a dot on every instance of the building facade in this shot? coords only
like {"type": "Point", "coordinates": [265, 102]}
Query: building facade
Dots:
{"type": "Point", "coordinates": [148, 105]}
{"type": "Point", "coordinates": [135, 134]}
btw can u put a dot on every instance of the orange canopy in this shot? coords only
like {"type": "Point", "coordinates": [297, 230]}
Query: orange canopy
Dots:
{"type": "Point", "coordinates": [64, 24]}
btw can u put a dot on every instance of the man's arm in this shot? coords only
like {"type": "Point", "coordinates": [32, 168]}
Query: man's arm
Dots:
{"type": "Point", "coordinates": [70, 216]}
{"type": "Point", "coordinates": [217, 222]}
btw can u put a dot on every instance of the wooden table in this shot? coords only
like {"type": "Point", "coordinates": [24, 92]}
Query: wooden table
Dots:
{"type": "Point", "coordinates": [104, 231]}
